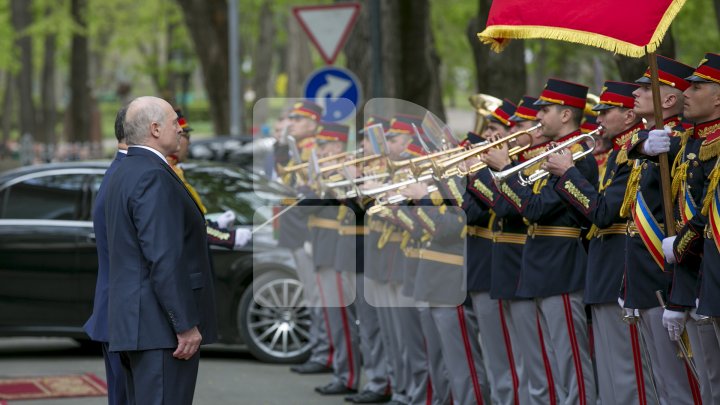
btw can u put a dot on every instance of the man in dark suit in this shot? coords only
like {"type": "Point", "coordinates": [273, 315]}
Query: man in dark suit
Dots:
{"type": "Point", "coordinates": [161, 290]}
{"type": "Point", "coordinates": [97, 325]}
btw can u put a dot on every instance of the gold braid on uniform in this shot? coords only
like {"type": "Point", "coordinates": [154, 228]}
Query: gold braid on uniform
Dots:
{"type": "Point", "coordinates": [709, 148]}
{"type": "Point", "coordinates": [342, 211]}
{"type": "Point", "coordinates": [679, 167]}
{"type": "Point", "coordinates": [631, 190]}
{"type": "Point", "coordinates": [714, 180]}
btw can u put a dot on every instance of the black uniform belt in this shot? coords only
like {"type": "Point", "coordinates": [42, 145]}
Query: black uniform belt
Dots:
{"type": "Point", "coordinates": [614, 229]}
{"type": "Point", "coordinates": [316, 222]}
{"type": "Point", "coordinates": [479, 232]}
{"type": "Point", "coordinates": [353, 230]}
{"type": "Point", "coordinates": [504, 237]}
{"type": "Point", "coordinates": [553, 231]}
{"type": "Point", "coordinates": [441, 257]}
{"type": "Point", "coordinates": [632, 229]}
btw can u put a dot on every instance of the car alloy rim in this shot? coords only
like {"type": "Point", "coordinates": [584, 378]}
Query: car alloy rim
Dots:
{"type": "Point", "coordinates": [278, 320]}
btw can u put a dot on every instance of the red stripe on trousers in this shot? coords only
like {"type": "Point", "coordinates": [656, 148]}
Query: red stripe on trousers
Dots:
{"type": "Point", "coordinates": [694, 387]}
{"type": "Point", "coordinates": [346, 332]}
{"type": "Point", "coordinates": [637, 362]}
{"type": "Point", "coordinates": [548, 369]}
{"type": "Point", "coordinates": [468, 355]}
{"type": "Point", "coordinates": [575, 348]}
{"type": "Point", "coordinates": [508, 349]}
{"type": "Point", "coordinates": [331, 348]}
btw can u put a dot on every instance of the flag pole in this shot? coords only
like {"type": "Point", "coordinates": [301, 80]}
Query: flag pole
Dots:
{"type": "Point", "coordinates": [663, 157]}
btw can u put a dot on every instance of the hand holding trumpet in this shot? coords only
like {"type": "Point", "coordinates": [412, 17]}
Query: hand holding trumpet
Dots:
{"type": "Point", "coordinates": [559, 162]}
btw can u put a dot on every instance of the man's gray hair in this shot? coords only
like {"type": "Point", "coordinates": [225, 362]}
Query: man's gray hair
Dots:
{"type": "Point", "coordinates": [141, 113]}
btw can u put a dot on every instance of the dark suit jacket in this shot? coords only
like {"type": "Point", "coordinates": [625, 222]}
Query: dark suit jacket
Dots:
{"type": "Point", "coordinates": [160, 279]}
{"type": "Point", "coordinates": [97, 325]}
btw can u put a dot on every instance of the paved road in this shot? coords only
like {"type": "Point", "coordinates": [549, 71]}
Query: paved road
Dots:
{"type": "Point", "coordinates": [227, 375]}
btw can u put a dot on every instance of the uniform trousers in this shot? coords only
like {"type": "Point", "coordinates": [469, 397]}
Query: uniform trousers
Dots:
{"type": "Point", "coordinates": [701, 336]}
{"type": "Point", "coordinates": [460, 346]}
{"type": "Point", "coordinates": [536, 385]}
{"type": "Point", "coordinates": [711, 356]}
{"type": "Point", "coordinates": [374, 360]}
{"type": "Point", "coordinates": [496, 347]}
{"type": "Point", "coordinates": [321, 351]}
{"type": "Point", "coordinates": [414, 353]}
{"type": "Point", "coordinates": [622, 377]}
{"type": "Point", "coordinates": [337, 293]}
{"type": "Point", "coordinates": [565, 321]}
{"type": "Point", "coordinates": [436, 363]}
{"type": "Point", "coordinates": [671, 376]}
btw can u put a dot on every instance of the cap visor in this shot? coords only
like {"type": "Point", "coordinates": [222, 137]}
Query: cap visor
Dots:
{"type": "Point", "coordinates": [698, 79]}
{"type": "Point", "coordinates": [603, 107]}
{"type": "Point", "coordinates": [542, 102]}
{"type": "Point", "coordinates": [643, 80]}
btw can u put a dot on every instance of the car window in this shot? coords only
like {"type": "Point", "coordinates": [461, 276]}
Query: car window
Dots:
{"type": "Point", "coordinates": [46, 197]}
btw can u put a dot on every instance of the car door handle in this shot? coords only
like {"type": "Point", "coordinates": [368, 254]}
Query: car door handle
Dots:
{"type": "Point", "coordinates": [91, 237]}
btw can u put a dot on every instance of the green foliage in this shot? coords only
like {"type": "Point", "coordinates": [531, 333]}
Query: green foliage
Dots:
{"type": "Point", "coordinates": [696, 31]}
{"type": "Point", "coordinates": [8, 53]}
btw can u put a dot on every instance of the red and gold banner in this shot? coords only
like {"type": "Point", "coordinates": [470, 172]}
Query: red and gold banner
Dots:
{"type": "Point", "coordinates": [631, 28]}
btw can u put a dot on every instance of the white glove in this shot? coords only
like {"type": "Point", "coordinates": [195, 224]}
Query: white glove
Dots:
{"type": "Point", "coordinates": [225, 219]}
{"type": "Point", "coordinates": [667, 247]}
{"type": "Point", "coordinates": [242, 236]}
{"type": "Point", "coordinates": [621, 302]}
{"type": "Point", "coordinates": [674, 322]}
{"type": "Point", "coordinates": [658, 142]}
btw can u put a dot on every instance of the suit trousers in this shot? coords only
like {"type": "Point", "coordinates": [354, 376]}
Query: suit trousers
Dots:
{"type": "Point", "coordinates": [319, 336]}
{"type": "Point", "coordinates": [155, 377]}
{"type": "Point", "coordinates": [115, 377]}
{"type": "Point", "coordinates": [565, 321]}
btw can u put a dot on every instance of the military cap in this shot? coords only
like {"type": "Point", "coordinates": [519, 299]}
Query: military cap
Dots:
{"type": "Point", "coordinates": [182, 121]}
{"type": "Point", "coordinates": [332, 132]}
{"type": "Point", "coordinates": [402, 124]}
{"type": "Point", "coordinates": [502, 113]}
{"type": "Point", "coordinates": [616, 94]}
{"type": "Point", "coordinates": [670, 72]}
{"type": "Point", "coordinates": [708, 71]}
{"type": "Point", "coordinates": [374, 120]}
{"type": "Point", "coordinates": [526, 110]}
{"type": "Point", "coordinates": [589, 123]}
{"type": "Point", "coordinates": [564, 93]}
{"type": "Point", "coordinates": [306, 109]}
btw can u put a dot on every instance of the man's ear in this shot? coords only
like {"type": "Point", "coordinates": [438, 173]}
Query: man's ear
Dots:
{"type": "Point", "coordinates": [155, 129]}
{"type": "Point", "coordinates": [670, 100]}
{"type": "Point", "coordinates": [565, 115]}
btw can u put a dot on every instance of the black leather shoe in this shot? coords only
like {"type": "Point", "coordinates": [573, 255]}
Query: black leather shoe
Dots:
{"type": "Point", "coordinates": [311, 367]}
{"type": "Point", "coordinates": [335, 388]}
{"type": "Point", "coordinates": [368, 397]}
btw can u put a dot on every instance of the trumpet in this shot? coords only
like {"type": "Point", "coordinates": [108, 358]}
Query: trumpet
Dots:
{"type": "Point", "coordinates": [502, 176]}
{"type": "Point", "coordinates": [380, 204]}
{"type": "Point", "coordinates": [303, 166]}
{"type": "Point", "coordinates": [338, 166]}
{"type": "Point", "coordinates": [442, 167]}
{"type": "Point", "coordinates": [458, 171]}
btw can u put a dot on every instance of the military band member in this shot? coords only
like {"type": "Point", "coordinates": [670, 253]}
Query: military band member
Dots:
{"type": "Point", "coordinates": [534, 373]}
{"type": "Point", "coordinates": [696, 241]}
{"type": "Point", "coordinates": [304, 117]}
{"type": "Point", "coordinates": [620, 375]}
{"type": "Point", "coordinates": [556, 280]}
{"type": "Point", "coordinates": [645, 269]}
{"type": "Point", "coordinates": [494, 336]}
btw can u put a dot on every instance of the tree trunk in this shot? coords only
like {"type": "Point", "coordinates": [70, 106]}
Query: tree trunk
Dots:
{"type": "Point", "coordinates": [208, 26]}
{"type": "Point", "coordinates": [6, 113]}
{"type": "Point", "coordinates": [502, 75]}
{"type": "Point", "coordinates": [79, 107]}
{"type": "Point", "coordinates": [358, 55]}
{"type": "Point", "coordinates": [263, 55]}
{"type": "Point", "coordinates": [47, 89]}
{"type": "Point", "coordinates": [299, 62]}
{"type": "Point", "coordinates": [632, 68]}
{"type": "Point", "coordinates": [21, 19]}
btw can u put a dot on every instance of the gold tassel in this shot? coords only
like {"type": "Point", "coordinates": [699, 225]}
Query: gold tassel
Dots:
{"type": "Point", "coordinates": [591, 233]}
{"type": "Point", "coordinates": [679, 176]}
{"type": "Point", "coordinates": [342, 211]}
{"type": "Point", "coordinates": [709, 150]}
{"type": "Point", "coordinates": [714, 180]}
{"type": "Point", "coordinates": [538, 185]}
{"type": "Point", "coordinates": [385, 235]}
{"type": "Point", "coordinates": [436, 198]}
{"type": "Point", "coordinates": [631, 190]}
{"type": "Point", "coordinates": [405, 240]}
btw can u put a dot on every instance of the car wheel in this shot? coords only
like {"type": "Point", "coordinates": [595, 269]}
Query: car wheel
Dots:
{"type": "Point", "coordinates": [273, 320]}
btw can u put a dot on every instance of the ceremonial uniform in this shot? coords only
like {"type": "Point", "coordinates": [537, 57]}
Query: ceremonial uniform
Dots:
{"type": "Point", "coordinates": [645, 269]}
{"type": "Point", "coordinates": [620, 375]}
{"type": "Point", "coordinates": [556, 280]}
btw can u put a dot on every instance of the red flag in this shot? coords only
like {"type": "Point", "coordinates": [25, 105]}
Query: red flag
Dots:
{"type": "Point", "coordinates": [626, 27]}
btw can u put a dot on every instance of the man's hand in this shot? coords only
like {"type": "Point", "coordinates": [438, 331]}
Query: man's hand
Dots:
{"type": "Point", "coordinates": [242, 236]}
{"type": "Point", "coordinates": [415, 191]}
{"type": "Point", "coordinates": [667, 247]}
{"type": "Point", "coordinates": [658, 142]}
{"type": "Point", "coordinates": [558, 163]}
{"type": "Point", "coordinates": [674, 322]}
{"type": "Point", "coordinates": [496, 158]}
{"type": "Point", "coordinates": [225, 219]}
{"type": "Point", "coordinates": [188, 343]}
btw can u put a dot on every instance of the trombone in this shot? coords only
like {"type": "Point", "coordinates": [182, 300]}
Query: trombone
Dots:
{"type": "Point", "coordinates": [526, 180]}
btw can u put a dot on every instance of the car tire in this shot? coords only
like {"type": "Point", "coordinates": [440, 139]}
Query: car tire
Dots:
{"type": "Point", "coordinates": [272, 319]}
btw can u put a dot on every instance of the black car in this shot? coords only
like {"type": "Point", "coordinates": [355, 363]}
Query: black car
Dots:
{"type": "Point", "coordinates": [48, 261]}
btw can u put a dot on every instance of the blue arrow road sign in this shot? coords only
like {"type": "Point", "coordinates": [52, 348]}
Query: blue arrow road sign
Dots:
{"type": "Point", "coordinates": [337, 90]}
